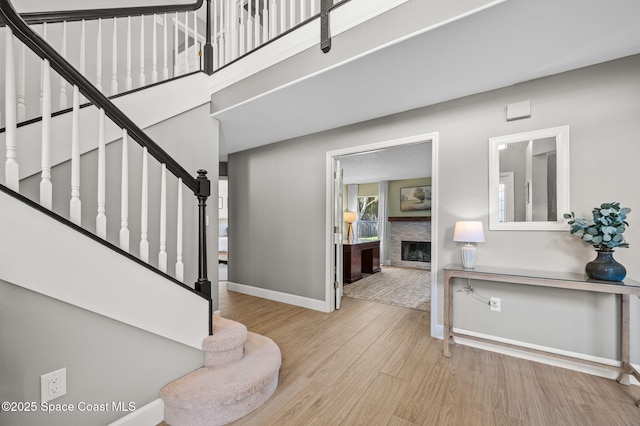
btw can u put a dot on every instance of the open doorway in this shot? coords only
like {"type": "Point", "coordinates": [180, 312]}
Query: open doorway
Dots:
{"type": "Point", "coordinates": [223, 229]}
{"type": "Point", "coordinates": [385, 187]}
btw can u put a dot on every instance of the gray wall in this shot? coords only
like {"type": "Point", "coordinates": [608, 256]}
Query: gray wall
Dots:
{"type": "Point", "coordinates": [277, 196]}
{"type": "Point", "coordinates": [106, 360]}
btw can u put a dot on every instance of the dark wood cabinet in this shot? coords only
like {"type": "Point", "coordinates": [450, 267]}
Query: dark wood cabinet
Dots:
{"type": "Point", "coordinates": [359, 258]}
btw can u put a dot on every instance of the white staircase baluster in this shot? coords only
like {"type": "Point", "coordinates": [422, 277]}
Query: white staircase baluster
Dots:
{"type": "Point", "coordinates": [266, 21]}
{"type": "Point", "coordinates": [46, 188]}
{"type": "Point", "coordinates": [99, 56]}
{"type": "Point", "coordinates": [196, 51]}
{"type": "Point", "coordinates": [63, 82]}
{"type": "Point", "coordinates": [313, 7]}
{"type": "Point", "coordinates": [128, 80]}
{"type": "Point", "coordinates": [227, 31]}
{"type": "Point", "coordinates": [124, 194]}
{"type": "Point", "coordinates": [75, 205]}
{"type": "Point", "coordinates": [256, 23]}
{"type": "Point", "coordinates": [83, 52]}
{"type": "Point", "coordinates": [273, 19]}
{"type": "Point", "coordinates": [165, 67]}
{"type": "Point", "coordinates": [101, 217]}
{"type": "Point", "coordinates": [22, 109]}
{"type": "Point", "coordinates": [283, 16]}
{"type": "Point", "coordinates": [214, 42]}
{"type": "Point", "coordinates": [175, 46]}
{"type": "Point", "coordinates": [303, 11]}
{"type": "Point", "coordinates": [186, 42]}
{"type": "Point", "coordinates": [142, 79]}
{"type": "Point", "coordinates": [44, 37]}
{"type": "Point", "coordinates": [241, 31]}
{"type": "Point", "coordinates": [179, 264]}
{"type": "Point", "coordinates": [154, 65]}
{"type": "Point", "coordinates": [114, 58]}
{"type": "Point", "coordinates": [292, 14]}
{"type": "Point", "coordinates": [249, 26]}
{"type": "Point", "coordinates": [233, 9]}
{"type": "Point", "coordinates": [11, 169]}
{"type": "Point", "coordinates": [162, 256]}
{"type": "Point", "coordinates": [144, 207]}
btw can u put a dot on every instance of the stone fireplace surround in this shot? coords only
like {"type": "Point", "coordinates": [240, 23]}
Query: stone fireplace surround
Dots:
{"type": "Point", "coordinates": [408, 230]}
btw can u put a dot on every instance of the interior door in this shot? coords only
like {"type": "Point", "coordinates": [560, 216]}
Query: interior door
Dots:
{"type": "Point", "coordinates": [337, 231]}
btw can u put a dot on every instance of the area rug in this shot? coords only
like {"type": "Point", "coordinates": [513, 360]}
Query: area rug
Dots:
{"type": "Point", "coordinates": [409, 288]}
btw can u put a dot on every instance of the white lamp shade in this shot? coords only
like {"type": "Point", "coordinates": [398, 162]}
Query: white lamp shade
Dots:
{"type": "Point", "coordinates": [469, 232]}
{"type": "Point", "coordinates": [350, 217]}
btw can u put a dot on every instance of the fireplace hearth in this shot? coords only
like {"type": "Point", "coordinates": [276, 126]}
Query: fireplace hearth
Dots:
{"type": "Point", "coordinates": [416, 251]}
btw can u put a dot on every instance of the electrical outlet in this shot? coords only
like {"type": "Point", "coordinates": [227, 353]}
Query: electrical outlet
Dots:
{"type": "Point", "coordinates": [53, 385]}
{"type": "Point", "coordinates": [495, 304]}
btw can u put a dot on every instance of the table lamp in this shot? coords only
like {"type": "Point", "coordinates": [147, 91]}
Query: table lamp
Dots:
{"type": "Point", "coordinates": [350, 217]}
{"type": "Point", "coordinates": [469, 232]}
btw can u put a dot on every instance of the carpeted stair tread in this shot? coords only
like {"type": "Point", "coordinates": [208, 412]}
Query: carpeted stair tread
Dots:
{"type": "Point", "coordinates": [227, 334]}
{"type": "Point", "coordinates": [208, 388]}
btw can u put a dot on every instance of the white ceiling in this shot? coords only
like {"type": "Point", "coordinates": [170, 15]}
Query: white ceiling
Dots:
{"type": "Point", "coordinates": [511, 42]}
{"type": "Point", "coordinates": [398, 163]}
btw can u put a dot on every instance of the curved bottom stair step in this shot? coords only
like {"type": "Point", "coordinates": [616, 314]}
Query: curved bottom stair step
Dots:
{"type": "Point", "coordinates": [220, 395]}
{"type": "Point", "coordinates": [226, 344]}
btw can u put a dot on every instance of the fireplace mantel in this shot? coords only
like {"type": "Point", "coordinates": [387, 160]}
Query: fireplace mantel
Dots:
{"type": "Point", "coordinates": [409, 218]}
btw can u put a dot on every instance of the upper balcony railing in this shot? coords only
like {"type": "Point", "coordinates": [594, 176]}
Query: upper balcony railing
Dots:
{"type": "Point", "coordinates": [118, 50]}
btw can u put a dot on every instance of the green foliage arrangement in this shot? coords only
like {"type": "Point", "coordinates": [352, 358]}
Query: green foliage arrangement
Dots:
{"type": "Point", "coordinates": [605, 232]}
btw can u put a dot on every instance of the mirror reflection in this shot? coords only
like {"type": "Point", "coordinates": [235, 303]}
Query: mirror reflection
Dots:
{"type": "Point", "coordinates": [529, 179]}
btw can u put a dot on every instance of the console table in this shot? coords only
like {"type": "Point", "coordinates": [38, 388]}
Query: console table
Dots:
{"type": "Point", "coordinates": [623, 290]}
{"type": "Point", "coordinates": [359, 258]}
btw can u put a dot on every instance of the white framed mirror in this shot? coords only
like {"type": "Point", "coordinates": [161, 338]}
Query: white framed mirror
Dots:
{"type": "Point", "coordinates": [529, 180]}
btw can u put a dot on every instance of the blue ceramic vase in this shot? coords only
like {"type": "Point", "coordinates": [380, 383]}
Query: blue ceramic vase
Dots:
{"type": "Point", "coordinates": [605, 268]}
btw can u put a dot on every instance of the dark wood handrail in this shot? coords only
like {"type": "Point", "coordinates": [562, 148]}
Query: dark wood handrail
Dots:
{"type": "Point", "coordinates": [41, 48]}
{"type": "Point", "coordinates": [119, 12]}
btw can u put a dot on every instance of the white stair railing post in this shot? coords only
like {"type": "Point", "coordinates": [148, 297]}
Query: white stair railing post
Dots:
{"type": "Point", "coordinates": [75, 205]}
{"type": "Point", "coordinates": [175, 46]}
{"type": "Point", "coordinates": [273, 19]}
{"type": "Point", "coordinates": [283, 16]}
{"type": "Point", "coordinates": [99, 56]}
{"type": "Point", "coordinates": [162, 256]}
{"type": "Point", "coordinates": [165, 66]}
{"type": "Point", "coordinates": [114, 58]}
{"type": "Point", "coordinates": [196, 51]}
{"type": "Point", "coordinates": [124, 194]}
{"type": "Point", "coordinates": [101, 217]}
{"type": "Point", "coordinates": [44, 37]}
{"type": "Point", "coordinates": [144, 207]}
{"type": "Point", "coordinates": [214, 35]}
{"type": "Point", "coordinates": [235, 39]}
{"type": "Point", "coordinates": [292, 14]}
{"type": "Point", "coordinates": [154, 65]}
{"type": "Point", "coordinates": [179, 264]}
{"type": "Point", "coordinates": [313, 7]}
{"type": "Point", "coordinates": [63, 82]}
{"type": "Point", "coordinates": [256, 23]}
{"type": "Point", "coordinates": [241, 30]}
{"type": "Point", "coordinates": [83, 52]}
{"type": "Point", "coordinates": [129, 80]}
{"type": "Point", "coordinates": [11, 170]}
{"type": "Point", "coordinates": [22, 109]}
{"type": "Point", "coordinates": [186, 42]}
{"type": "Point", "coordinates": [266, 22]}
{"type": "Point", "coordinates": [142, 80]}
{"type": "Point", "coordinates": [46, 188]}
{"type": "Point", "coordinates": [249, 26]}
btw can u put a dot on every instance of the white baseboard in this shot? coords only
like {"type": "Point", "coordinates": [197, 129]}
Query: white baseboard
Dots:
{"type": "Point", "coordinates": [549, 360]}
{"type": "Point", "coordinates": [150, 414]}
{"type": "Point", "coordinates": [291, 299]}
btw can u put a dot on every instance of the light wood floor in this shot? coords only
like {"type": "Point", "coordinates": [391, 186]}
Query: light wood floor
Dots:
{"type": "Point", "coordinates": [375, 364]}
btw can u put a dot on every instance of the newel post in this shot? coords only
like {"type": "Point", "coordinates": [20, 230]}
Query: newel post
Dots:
{"type": "Point", "coordinates": [203, 285]}
{"type": "Point", "coordinates": [208, 48]}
